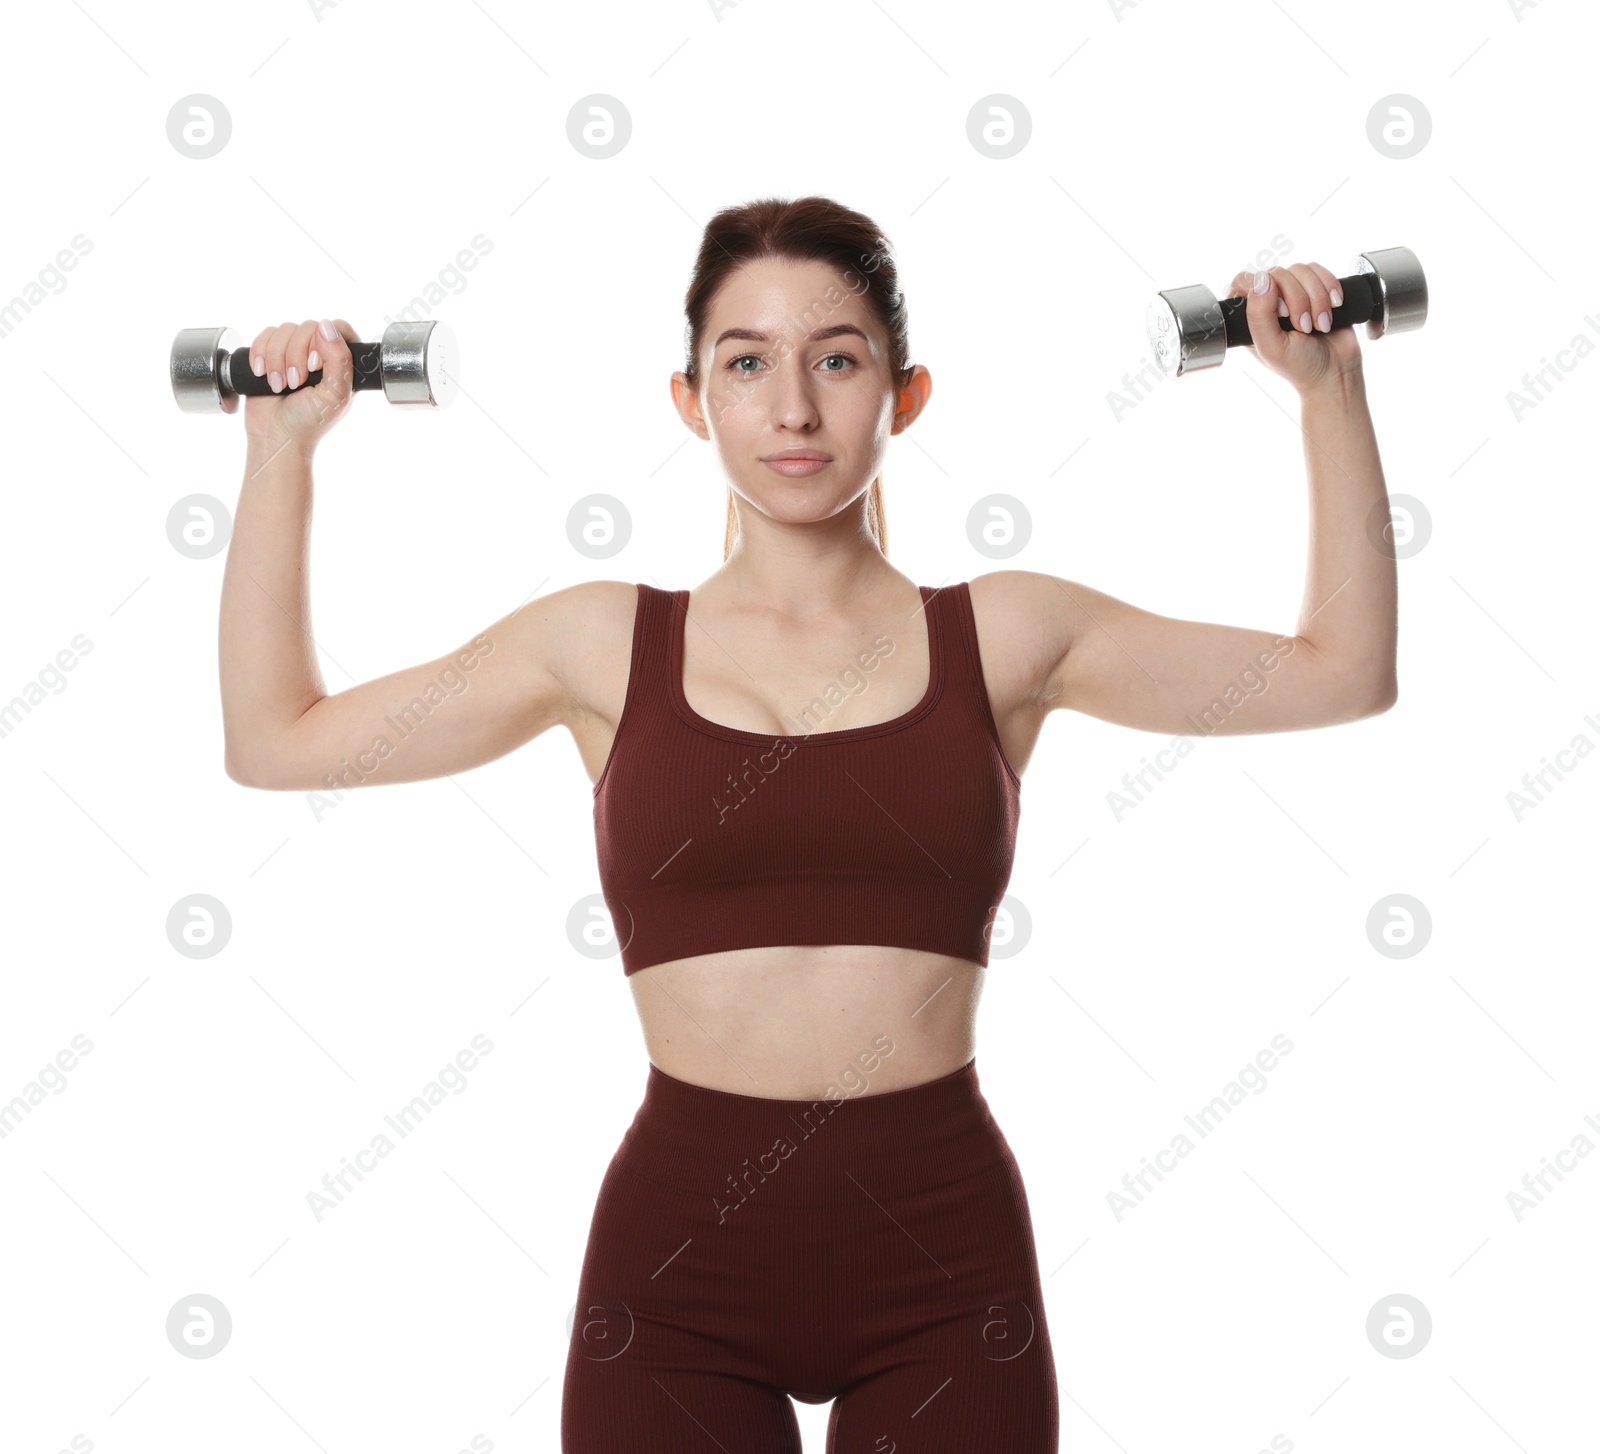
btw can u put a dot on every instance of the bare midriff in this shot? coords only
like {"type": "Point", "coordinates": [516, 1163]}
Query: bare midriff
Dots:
{"type": "Point", "coordinates": [792, 1021]}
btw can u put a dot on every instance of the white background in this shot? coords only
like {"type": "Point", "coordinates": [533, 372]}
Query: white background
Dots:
{"type": "Point", "coordinates": [1170, 144]}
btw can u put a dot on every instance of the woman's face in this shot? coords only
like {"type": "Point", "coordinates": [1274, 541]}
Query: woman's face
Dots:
{"type": "Point", "coordinates": [792, 359]}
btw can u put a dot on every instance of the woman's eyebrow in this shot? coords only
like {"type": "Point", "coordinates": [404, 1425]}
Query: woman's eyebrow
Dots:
{"type": "Point", "coordinates": [751, 335]}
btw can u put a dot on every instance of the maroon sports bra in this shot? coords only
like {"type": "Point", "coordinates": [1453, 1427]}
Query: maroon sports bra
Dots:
{"type": "Point", "coordinates": [712, 838]}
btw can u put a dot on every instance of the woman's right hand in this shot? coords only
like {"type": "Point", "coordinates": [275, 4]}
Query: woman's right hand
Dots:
{"type": "Point", "coordinates": [288, 355]}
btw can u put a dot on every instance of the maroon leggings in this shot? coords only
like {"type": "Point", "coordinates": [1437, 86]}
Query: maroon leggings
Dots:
{"type": "Point", "coordinates": [875, 1250]}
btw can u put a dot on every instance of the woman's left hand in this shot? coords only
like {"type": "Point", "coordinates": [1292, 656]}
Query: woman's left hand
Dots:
{"type": "Point", "coordinates": [1307, 294]}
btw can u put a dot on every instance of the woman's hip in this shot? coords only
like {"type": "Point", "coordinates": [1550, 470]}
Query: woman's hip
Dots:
{"type": "Point", "coordinates": [730, 1150]}
{"type": "Point", "coordinates": [806, 1239]}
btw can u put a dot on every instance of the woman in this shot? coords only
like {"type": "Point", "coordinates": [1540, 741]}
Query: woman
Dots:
{"type": "Point", "coordinates": [813, 1200]}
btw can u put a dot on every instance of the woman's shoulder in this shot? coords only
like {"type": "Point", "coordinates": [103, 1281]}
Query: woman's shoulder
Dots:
{"type": "Point", "coordinates": [1017, 615]}
{"type": "Point", "coordinates": [589, 629]}
{"type": "Point", "coordinates": [599, 605]}
{"type": "Point", "coordinates": [1017, 596]}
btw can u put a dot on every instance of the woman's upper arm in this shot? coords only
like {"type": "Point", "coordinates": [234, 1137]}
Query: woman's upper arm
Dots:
{"type": "Point", "coordinates": [475, 703]}
{"type": "Point", "coordinates": [1109, 659]}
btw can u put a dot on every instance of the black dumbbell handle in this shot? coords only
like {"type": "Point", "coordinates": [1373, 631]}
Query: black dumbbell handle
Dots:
{"type": "Point", "coordinates": [1363, 301]}
{"type": "Point", "coordinates": [367, 358]}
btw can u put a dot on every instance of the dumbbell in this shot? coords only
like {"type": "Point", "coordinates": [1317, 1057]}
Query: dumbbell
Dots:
{"type": "Point", "coordinates": [1190, 328]}
{"type": "Point", "coordinates": [414, 363]}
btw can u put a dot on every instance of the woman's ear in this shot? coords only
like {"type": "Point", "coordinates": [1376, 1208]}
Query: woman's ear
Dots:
{"type": "Point", "coordinates": [686, 400]}
{"type": "Point", "coordinates": [911, 397]}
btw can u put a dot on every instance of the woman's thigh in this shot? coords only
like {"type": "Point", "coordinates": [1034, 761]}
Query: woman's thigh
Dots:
{"type": "Point", "coordinates": [966, 1365]}
{"type": "Point", "coordinates": [941, 1397]}
{"type": "Point", "coordinates": [668, 1332]}
{"type": "Point", "coordinates": [630, 1408]}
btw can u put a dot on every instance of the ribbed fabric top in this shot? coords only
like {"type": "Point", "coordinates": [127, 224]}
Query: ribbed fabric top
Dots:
{"type": "Point", "coordinates": [712, 838]}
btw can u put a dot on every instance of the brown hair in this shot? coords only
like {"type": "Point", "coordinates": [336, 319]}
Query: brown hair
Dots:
{"type": "Point", "coordinates": [803, 230]}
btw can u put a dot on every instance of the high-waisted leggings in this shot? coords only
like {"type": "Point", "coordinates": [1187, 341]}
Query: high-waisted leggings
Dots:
{"type": "Point", "coordinates": [876, 1250]}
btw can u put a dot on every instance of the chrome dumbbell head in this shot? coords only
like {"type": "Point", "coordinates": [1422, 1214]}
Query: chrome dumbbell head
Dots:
{"type": "Point", "coordinates": [1402, 290]}
{"type": "Point", "coordinates": [414, 363]}
{"type": "Point", "coordinates": [199, 364]}
{"type": "Point", "coordinates": [1185, 329]}
{"type": "Point", "coordinates": [418, 363]}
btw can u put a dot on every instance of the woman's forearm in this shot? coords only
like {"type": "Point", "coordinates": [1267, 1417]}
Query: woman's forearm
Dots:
{"type": "Point", "coordinates": [1349, 611]}
{"type": "Point", "coordinates": [267, 658]}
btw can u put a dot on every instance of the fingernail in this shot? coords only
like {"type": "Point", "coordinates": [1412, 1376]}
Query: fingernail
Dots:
{"type": "Point", "coordinates": [294, 376]}
{"type": "Point", "coordinates": [1338, 298]}
{"type": "Point", "coordinates": [1283, 309]}
{"type": "Point", "coordinates": [257, 364]}
{"type": "Point", "coordinates": [275, 380]}
{"type": "Point", "coordinates": [327, 330]}
{"type": "Point", "coordinates": [1305, 323]}
{"type": "Point", "coordinates": [312, 362]}
{"type": "Point", "coordinates": [1258, 284]}
{"type": "Point", "coordinates": [1323, 321]}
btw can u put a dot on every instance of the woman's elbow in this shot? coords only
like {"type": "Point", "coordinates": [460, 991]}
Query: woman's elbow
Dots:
{"type": "Point", "coordinates": [1377, 700]}
{"type": "Point", "coordinates": [251, 772]}
{"type": "Point", "coordinates": [238, 771]}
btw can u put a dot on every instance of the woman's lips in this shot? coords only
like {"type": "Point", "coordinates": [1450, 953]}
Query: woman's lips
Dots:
{"type": "Point", "coordinates": [794, 468]}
